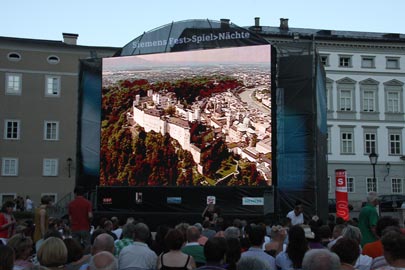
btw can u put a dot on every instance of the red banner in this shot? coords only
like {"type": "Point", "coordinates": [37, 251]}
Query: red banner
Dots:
{"type": "Point", "coordinates": [342, 207]}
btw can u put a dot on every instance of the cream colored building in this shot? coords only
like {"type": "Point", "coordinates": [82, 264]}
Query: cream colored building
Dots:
{"type": "Point", "coordinates": [39, 115]}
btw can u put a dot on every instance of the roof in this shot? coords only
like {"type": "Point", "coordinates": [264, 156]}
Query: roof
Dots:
{"type": "Point", "coordinates": [328, 34]}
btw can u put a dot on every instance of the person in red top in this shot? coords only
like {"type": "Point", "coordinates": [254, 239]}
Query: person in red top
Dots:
{"type": "Point", "coordinates": [80, 215]}
{"type": "Point", "coordinates": [7, 221]}
{"type": "Point", "coordinates": [375, 249]}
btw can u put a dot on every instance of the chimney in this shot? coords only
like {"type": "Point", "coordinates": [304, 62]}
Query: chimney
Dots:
{"type": "Point", "coordinates": [283, 24]}
{"type": "Point", "coordinates": [225, 23]}
{"type": "Point", "coordinates": [257, 21]}
{"type": "Point", "coordinates": [69, 38]}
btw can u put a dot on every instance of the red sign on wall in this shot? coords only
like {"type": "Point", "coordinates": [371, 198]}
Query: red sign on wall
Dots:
{"type": "Point", "coordinates": [342, 202]}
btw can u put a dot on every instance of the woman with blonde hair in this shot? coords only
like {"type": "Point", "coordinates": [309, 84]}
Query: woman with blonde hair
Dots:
{"type": "Point", "coordinates": [53, 254]}
{"type": "Point", "coordinates": [22, 247]}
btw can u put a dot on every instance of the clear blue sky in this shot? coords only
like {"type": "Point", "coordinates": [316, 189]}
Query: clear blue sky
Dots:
{"type": "Point", "coordinates": [115, 23]}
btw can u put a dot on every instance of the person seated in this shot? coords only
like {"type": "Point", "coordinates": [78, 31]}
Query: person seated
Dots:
{"type": "Point", "coordinates": [348, 251]}
{"type": "Point", "coordinates": [76, 257]}
{"type": "Point", "coordinates": [53, 254]}
{"type": "Point", "coordinates": [6, 257]}
{"type": "Point", "coordinates": [214, 253]}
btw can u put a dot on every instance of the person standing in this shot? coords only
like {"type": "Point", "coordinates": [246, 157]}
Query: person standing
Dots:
{"type": "Point", "coordinates": [80, 215]}
{"type": "Point", "coordinates": [29, 204]}
{"type": "Point", "coordinates": [7, 221]}
{"type": "Point", "coordinates": [296, 215]}
{"type": "Point", "coordinates": [368, 218]}
{"type": "Point", "coordinates": [41, 218]}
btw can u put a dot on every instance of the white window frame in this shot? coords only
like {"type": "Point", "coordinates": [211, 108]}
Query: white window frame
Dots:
{"type": "Point", "coordinates": [370, 142]}
{"type": "Point", "coordinates": [345, 61]}
{"type": "Point", "coordinates": [367, 61]}
{"type": "Point", "coordinates": [50, 167]}
{"type": "Point", "coordinates": [52, 88]}
{"type": "Point", "coordinates": [324, 59]}
{"type": "Point", "coordinates": [369, 101]}
{"type": "Point", "coordinates": [369, 183]}
{"type": "Point", "coordinates": [351, 185]}
{"type": "Point", "coordinates": [345, 100]}
{"type": "Point", "coordinates": [51, 138]}
{"type": "Point", "coordinates": [12, 121]}
{"type": "Point", "coordinates": [394, 60]}
{"type": "Point", "coordinates": [394, 143]}
{"type": "Point", "coordinates": [13, 84]}
{"type": "Point", "coordinates": [347, 144]}
{"type": "Point", "coordinates": [5, 169]}
{"type": "Point", "coordinates": [52, 195]}
{"type": "Point", "coordinates": [393, 104]}
{"type": "Point", "coordinates": [396, 188]}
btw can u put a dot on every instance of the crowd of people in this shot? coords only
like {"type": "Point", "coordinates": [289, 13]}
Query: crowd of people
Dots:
{"type": "Point", "coordinates": [370, 242]}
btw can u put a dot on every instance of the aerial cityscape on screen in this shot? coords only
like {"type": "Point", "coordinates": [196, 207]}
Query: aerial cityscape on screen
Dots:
{"type": "Point", "coordinates": [195, 118]}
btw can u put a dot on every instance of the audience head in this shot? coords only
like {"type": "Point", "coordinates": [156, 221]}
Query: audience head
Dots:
{"type": "Point", "coordinates": [21, 245]}
{"type": "Point", "coordinates": [128, 231]}
{"type": "Point", "coordinates": [347, 249]}
{"type": "Point", "coordinates": [385, 222]}
{"type": "Point", "coordinates": [103, 260]}
{"type": "Point", "coordinates": [393, 242]}
{"type": "Point", "coordinates": [8, 207]}
{"type": "Point", "coordinates": [174, 239]}
{"type": "Point", "coordinates": [215, 249]}
{"type": "Point", "coordinates": [6, 258]}
{"type": "Point", "coordinates": [352, 233]}
{"type": "Point", "coordinates": [251, 263]}
{"type": "Point", "coordinates": [256, 235]}
{"type": "Point", "coordinates": [108, 225]}
{"type": "Point", "coordinates": [74, 249]}
{"type": "Point", "coordinates": [320, 259]}
{"type": "Point", "coordinates": [233, 252]}
{"type": "Point", "coordinates": [372, 198]}
{"type": "Point", "coordinates": [142, 232]}
{"type": "Point", "coordinates": [338, 230]}
{"type": "Point", "coordinates": [46, 200]}
{"type": "Point", "coordinates": [232, 232]}
{"type": "Point", "coordinates": [95, 234]}
{"type": "Point", "coordinates": [103, 242]}
{"type": "Point", "coordinates": [193, 234]}
{"type": "Point", "coordinates": [52, 253]}
{"type": "Point", "coordinates": [297, 245]}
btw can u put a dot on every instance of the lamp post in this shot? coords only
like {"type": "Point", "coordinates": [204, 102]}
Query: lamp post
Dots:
{"type": "Point", "coordinates": [373, 160]}
{"type": "Point", "coordinates": [69, 164]}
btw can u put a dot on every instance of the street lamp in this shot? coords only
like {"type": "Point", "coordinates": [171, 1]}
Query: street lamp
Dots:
{"type": "Point", "coordinates": [373, 160]}
{"type": "Point", "coordinates": [388, 167]}
{"type": "Point", "coordinates": [69, 164]}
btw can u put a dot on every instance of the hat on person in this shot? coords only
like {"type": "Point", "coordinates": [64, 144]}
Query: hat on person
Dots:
{"type": "Point", "coordinates": [308, 232]}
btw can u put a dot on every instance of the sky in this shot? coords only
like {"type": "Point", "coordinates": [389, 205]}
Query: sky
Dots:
{"type": "Point", "coordinates": [116, 23]}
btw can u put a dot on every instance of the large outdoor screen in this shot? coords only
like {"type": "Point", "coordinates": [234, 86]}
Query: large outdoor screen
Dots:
{"type": "Point", "coordinates": [193, 118]}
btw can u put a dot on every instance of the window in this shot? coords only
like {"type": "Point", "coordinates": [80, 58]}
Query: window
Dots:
{"type": "Point", "coordinates": [50, 167]}
{"type": "Point", "coordinates": [393, 101]}
{"type": "Point", "coordinates": [12, 129]}
{"type": "Point", "coordinates": [325, 60]}
{"type": "Point", "coordinates": [347, 143]}
{"type": "Point", "coordinates": [396, 185]}
{"type": "Point", "coordinates": [367, 62]}
{"type": "Point", "coordinates": [345, 61]}
{"type": "Point", "coordinates": [52, 86]}
{"type": "Point", "coordinates": [51, 131]}
{"type": "Point", "coordinates": [371, 185]}
{"type": "Point", "coordinates": [394, 144]}
{"type": "Point", "coordinates": [368, 101]}
{"type": "Point", "coordinates": [13, 84]}
{"type": "Point", "coordinates": [9, 167]}
{"type": "Point", "coordinates": [345, 100]}
{"type": "Point", "coordinates": [53, 59]}
{"type": "Point", "coordinates": [13, 56]}
{"type": "Point", "coordinates": [392, 63]}
{"type": "Point", "coordinates": [350, 184]}
{"type": "Point", "coordinates": [4, 197]}
{"type": "Point", "coordinates": [370, 143]}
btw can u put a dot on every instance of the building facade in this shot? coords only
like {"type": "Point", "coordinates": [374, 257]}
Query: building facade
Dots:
{"type": "Point", "coordinates": [39, 114]}
{"type": "Point", "coordinates": [365, 104]}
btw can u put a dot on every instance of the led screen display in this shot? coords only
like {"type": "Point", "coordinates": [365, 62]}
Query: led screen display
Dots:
{"type": "Point", "coordinates": [193, 118]}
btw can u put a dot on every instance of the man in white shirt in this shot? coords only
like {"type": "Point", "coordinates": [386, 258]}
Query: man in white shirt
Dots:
{"type": "Point", "coordinates": [296, 215]}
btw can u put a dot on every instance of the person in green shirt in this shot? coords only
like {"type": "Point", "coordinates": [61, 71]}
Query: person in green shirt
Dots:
{"type": "Point", "coordinates": [368, 218]}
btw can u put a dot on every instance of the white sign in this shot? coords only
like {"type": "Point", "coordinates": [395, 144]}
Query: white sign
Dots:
{"type": "Point", "coordinates": [252, 201]}
{"type": "Point", "coordinates": [211, 200]}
